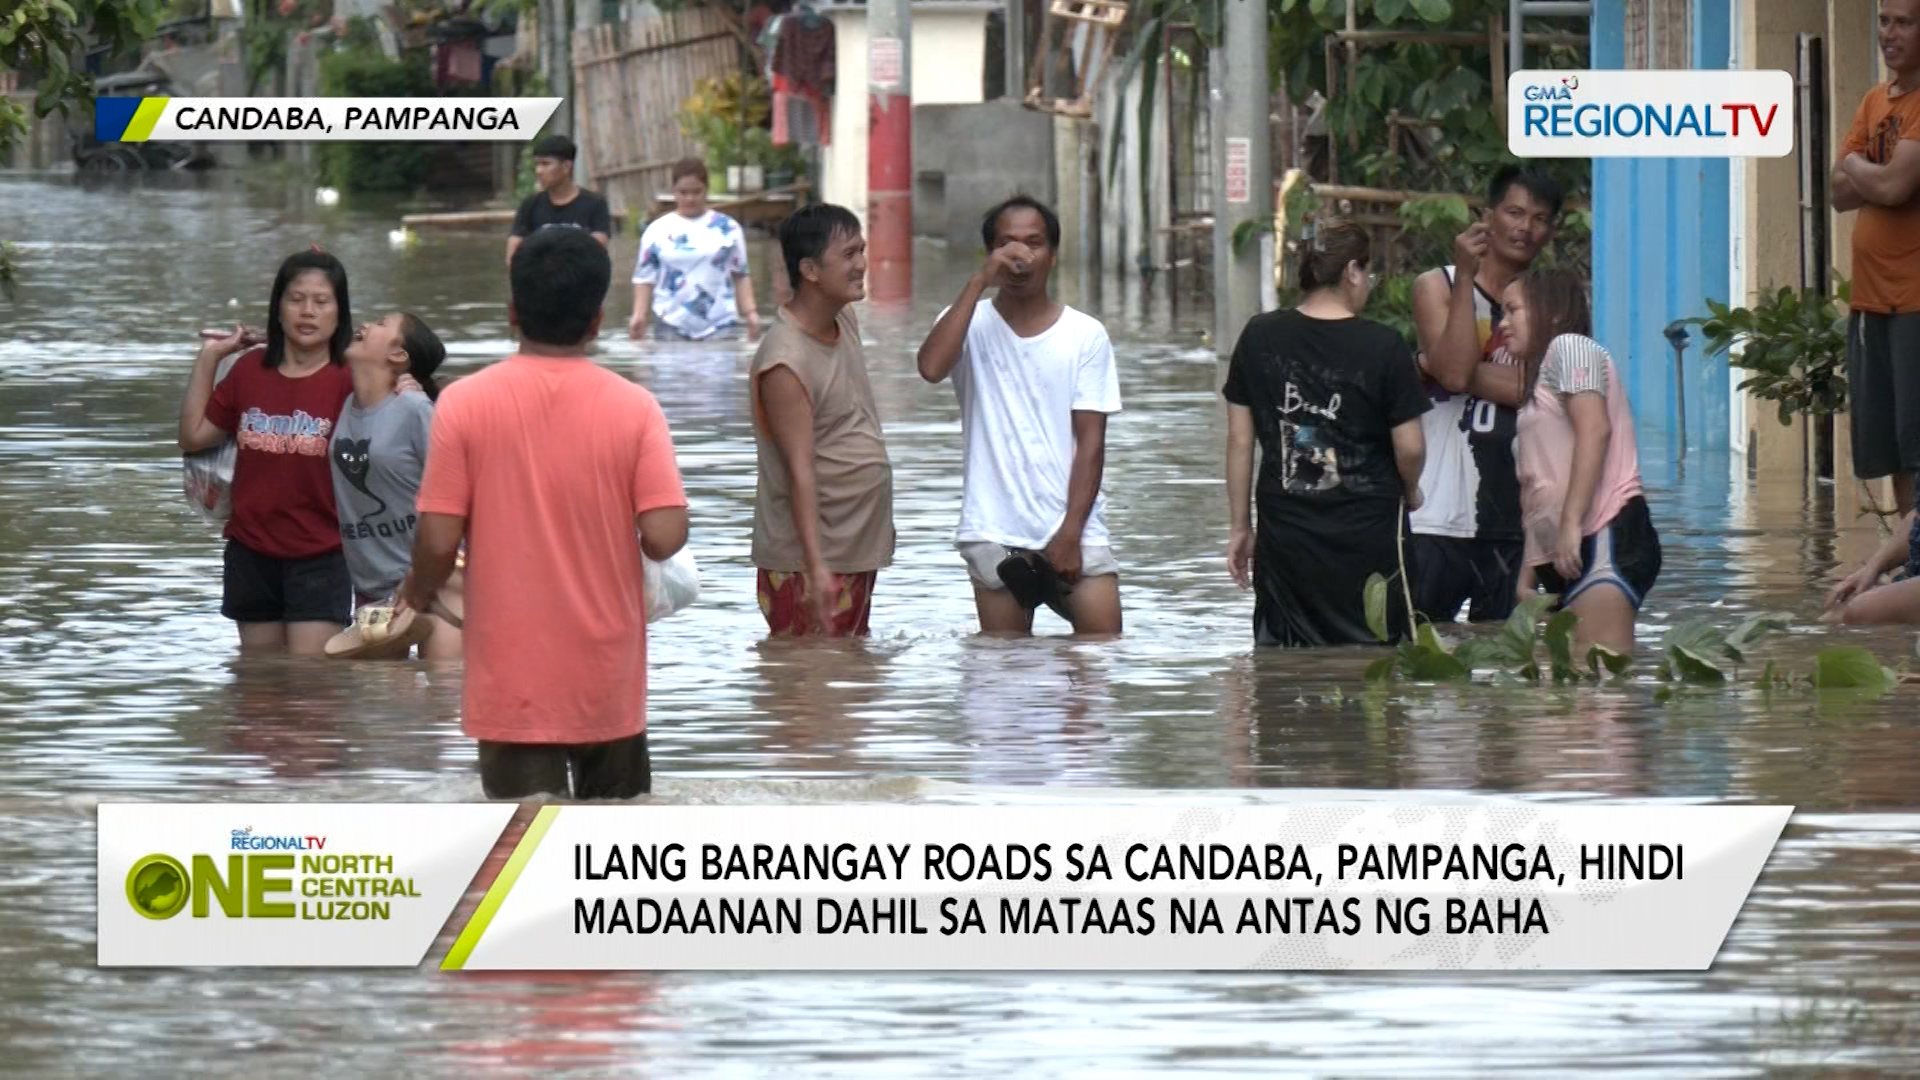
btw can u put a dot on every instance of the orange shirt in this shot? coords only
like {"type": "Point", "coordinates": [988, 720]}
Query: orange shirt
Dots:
{"type": "Point", "coordinates": [549, 459]}
{"type": "Point", "coordinates": [1886, 240]}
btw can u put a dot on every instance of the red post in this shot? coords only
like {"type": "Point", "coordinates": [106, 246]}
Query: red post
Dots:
{"type": "Point", "coordinates": [889, 153]}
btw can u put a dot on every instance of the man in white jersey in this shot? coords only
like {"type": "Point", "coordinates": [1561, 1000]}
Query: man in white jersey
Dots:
{"type": "Point", "coordinates": [1036, 381]}
{"type": "Point", "coordinates": [1467, 540]}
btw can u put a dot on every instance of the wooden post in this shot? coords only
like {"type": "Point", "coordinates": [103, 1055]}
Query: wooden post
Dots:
{"type": "Point", "coordinates": [1499, 61]}
{"type": "Point", "coordinates": [1353, 69]}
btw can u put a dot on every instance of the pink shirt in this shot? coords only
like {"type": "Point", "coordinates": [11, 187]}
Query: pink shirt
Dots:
{"type": "Point", "coordinates": [550, 459]}
{"type": "Point", "coordinates": [1573, 365]}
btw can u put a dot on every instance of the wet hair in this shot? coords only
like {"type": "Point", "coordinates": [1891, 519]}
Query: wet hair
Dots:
{"type": "Point", "coordinates": [1324, 255]}
{"type": "Point", "coordinates": [559, 279]}
{"type": "Point", "coordinates": [990, 225]}
{"type": "Point", "coordinates": [336, 275]}
{"type": "Point", "coordinates": [1544, 188]}
{"type": "Point", "coordinates": [807, 232]}
{"type": "Point", "coordinates": [425, 352]}
{"type": "Point", "coordinates": [686, 167]}
{"type": "Point", "coordinates": [1557, 304]}
{"type": "Point", "coordinates": [555, 146]}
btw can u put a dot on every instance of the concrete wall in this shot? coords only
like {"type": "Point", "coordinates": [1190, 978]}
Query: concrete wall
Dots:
{"type": "Point", "coordinates": [967, 158]}
{"type": "Point", "coordinates": [1772, 240]}
{"type": "Point", "coordinates": [948, 56]}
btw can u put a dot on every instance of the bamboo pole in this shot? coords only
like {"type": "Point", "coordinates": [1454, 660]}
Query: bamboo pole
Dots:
{"type": "Point", "coordinates": [1370, 38]}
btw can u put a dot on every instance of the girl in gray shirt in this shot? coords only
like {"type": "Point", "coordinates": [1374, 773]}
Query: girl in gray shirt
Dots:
{"type": "Point", "coordinates": [379, 452]}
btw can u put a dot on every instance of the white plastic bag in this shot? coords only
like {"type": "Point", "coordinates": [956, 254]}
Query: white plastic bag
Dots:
{"type": "Point", "coordinates": [670, 585]}
{"type": "Point", "coordinates": [209, 473]}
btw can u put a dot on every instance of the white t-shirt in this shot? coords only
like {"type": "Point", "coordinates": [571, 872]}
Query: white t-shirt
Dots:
{"type": "Point", "coordinates": [691, 264]}
{"type": "Point", "coordinates": [1017, 400]}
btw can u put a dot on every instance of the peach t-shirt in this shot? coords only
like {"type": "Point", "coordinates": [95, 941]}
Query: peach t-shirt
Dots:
{"type": "Point", "coordinates": [1573, 365]}
{"type": "Point", "coordinates": [549, 459]}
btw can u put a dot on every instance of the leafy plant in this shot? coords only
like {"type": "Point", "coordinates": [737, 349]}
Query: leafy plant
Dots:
{"type": "Point", "coordinates": [1794, 342]}
{"type": "Point", "coordinates": [9, 269]}
{"type": "Point", "coordinates": [721, 113]}
{"type": "Point", "coordinates": [1693, 653]}
{"type": "Point", "coordinates": [373, 166]}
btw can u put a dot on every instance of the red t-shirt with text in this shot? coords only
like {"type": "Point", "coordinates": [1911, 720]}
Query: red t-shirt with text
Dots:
{"type": "Point", "coordinates": [282, 484]}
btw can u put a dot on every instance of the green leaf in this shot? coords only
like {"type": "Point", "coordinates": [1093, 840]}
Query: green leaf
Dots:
{"type": "Point", "coordinates": [1849, 668]}
{"type": "Point", "coordinates": [1753, 629]}
{"type": "Point", "coordinates": [1389, 11]}
{"type": "Point", "coordinates": [1433, 11]}
{"type": "Point", "coordinates": [1768, 676]}
{"type": "Point", "coordinates": [1376, 603]}
{"type": "Point", "coordinates": [1694, 667]}
{"type": "Point", "coordinates": [1599, 656]}
{"type": "Point", "coordinates": [1426, 664]}
{"type": "Point", "coordinates": [1430, 638]}
{"type": "Point", "coordinates": [1560, 646]}
{"type": "Point", "coordinates": [1381, 670]}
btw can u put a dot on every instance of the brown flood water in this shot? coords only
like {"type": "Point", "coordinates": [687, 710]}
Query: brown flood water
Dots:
{"type": "Point", "coordinates": [118, 680]}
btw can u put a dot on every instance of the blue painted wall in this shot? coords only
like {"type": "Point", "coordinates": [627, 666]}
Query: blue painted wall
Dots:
{"type": "Point", "coordinates": [1660, 232]}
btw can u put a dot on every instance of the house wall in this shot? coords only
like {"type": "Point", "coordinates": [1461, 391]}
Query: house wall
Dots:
{"type": "Point", "coordinates": [1661, 230]}
{"type": "Point", "coordinates": [947, 56]}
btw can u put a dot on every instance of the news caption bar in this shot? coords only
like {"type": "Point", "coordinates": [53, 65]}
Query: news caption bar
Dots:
{"type": "Point", "coordinates": [1473, 886]}
{"type": "Point", "coordinates": [1615, 113]}
{"type": "Point", "coordinates": [320, 119]}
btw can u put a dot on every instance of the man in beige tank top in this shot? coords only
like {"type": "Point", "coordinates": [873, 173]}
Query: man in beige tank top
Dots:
{"type": "Point", "coordinates": [823, 508]}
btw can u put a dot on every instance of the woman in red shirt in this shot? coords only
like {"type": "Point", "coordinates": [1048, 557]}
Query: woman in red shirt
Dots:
{"type": "Point", "coordinates": [286, 582]}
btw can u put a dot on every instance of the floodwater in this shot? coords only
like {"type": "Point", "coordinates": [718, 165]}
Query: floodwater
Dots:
{"type": "Point", "coordinates": [118, 680]}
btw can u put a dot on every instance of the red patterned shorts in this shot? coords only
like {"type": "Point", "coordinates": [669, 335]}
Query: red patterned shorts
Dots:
{"type": "Point", "coordinates": [783, 602]}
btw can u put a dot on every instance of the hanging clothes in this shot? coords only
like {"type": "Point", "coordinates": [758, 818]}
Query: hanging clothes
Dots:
{"type": "Point", "coordinates": [801, 69]}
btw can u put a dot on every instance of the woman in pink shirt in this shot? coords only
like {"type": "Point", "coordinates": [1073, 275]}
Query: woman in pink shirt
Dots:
{"type": "Point", "coordinates": [1589, 537]}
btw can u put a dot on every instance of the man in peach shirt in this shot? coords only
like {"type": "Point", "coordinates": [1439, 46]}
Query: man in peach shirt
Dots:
{"type": "Point", "coordinates": [558, 474]}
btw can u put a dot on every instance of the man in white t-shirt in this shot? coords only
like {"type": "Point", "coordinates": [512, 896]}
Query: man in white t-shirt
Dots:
{"type": "Point", "coordinates": [1036, 381]}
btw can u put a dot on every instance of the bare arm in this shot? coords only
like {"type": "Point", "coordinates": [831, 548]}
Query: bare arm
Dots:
{"type": "Point", "coordinates": [1587, 411]}
{"type": "Point", "coordinates": [1503, 384]}
{"type": "Point", "coordinates": [1845, 196]}
{"type": "Point", "coordinates": [748, 307]}
{"type": "Point", "coordinates": [436, 541]}
{"type": "Point", "coordinates": [1892, 184]}
{"type": "Point", "coordinates": [1240, 493]}
{"type": "Point", "coordinates": [602, 237]}
{"type": "Point", "coordinates": [789, 415]}
{"type": "Point", "coordinates": [1445, 323]}
{"type": "Point", "coordinates": [1410, 457]}
{"type": "Point", "coordinates": [1240, 467]}
{"type": "Point", "coordinates": [642, 311]}
{"type": "Point", "coordinates": [941, 351]}
{"type": "Point", "coordinates": [196, 431]}
{"type": "Point", "coordinates": [1089, 464]}
{"type": "Point", "coordinates": [663, 532]}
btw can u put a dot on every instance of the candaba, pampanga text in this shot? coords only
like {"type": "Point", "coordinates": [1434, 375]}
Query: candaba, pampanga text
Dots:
{"type": "Point", "coordinates": [1139, 862]}
{"type": "Point", "coordinates": [254, 119]}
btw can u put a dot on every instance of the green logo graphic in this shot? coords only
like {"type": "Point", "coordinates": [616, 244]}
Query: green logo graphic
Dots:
{"type": "Point", "coordinates": [157, 887]}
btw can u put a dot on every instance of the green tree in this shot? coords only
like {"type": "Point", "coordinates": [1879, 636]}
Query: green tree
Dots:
{"type": "Point", "coordinates": [41, 39]}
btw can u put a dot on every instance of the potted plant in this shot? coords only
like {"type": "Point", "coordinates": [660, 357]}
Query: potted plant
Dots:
{"type": "Point", "coordinates": [787, 165]}
{"type": "Point", "coordinates": [719, 116]}
{"type": "Point", "coordinates": [1794, 345]}
{"type": "Point", "coordinates": [756, 152]}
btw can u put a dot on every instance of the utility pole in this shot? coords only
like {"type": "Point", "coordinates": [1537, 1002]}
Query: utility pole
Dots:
{"type": "Point", "coordinates": [1016, 49]}
{"type": "Point", "coordinates": [890, 150]}
{"type": "Point", "coordinates": [1246, 169]}
{"type": "Point", "coordinates": [1518, 10]}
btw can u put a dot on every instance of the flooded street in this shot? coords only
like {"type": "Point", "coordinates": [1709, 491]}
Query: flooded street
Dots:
{"type": "Point", "coordinates": [118, 680]}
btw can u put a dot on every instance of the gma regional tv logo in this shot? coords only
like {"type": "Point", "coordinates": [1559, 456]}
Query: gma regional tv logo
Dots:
{"type": "Point", "coordinates": [1618, 113]}
{"type": "Point", "coordinates": [257, 885]}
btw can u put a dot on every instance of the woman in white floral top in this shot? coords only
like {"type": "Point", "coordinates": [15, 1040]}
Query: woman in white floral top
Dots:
{"type": "Point", "coordinates": [692, 271]}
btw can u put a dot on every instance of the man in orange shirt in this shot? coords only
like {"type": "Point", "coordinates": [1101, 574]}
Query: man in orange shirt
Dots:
{"type": "Point", "coordinates": [1878, 175]}
{"type": "Point", "coordinates": [559, 474]}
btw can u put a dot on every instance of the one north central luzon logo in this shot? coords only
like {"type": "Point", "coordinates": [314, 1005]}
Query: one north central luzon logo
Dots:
{"type": "Point", "coordinates": [1555, 111]}
{"type": "Point", "coordinates": [315, 884]}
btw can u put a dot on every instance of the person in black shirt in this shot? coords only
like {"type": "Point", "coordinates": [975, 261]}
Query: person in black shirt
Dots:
{"type": "Point", "coordinates": [560, 203]}
{"type": "Point", "coordinates": [1335, 401]}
